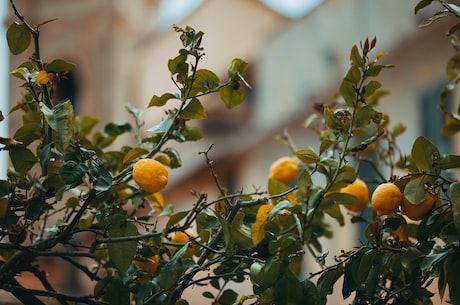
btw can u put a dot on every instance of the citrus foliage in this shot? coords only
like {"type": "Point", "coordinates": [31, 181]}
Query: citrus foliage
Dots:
{"type": "Point", "coordinates": [66, 180]}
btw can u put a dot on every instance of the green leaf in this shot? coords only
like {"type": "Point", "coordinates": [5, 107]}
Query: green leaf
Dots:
{"type": "Point", "coordinates": [326, 282]}
{"type": "Point", "coordinates": [192, 133]}
{"type": "Point", "coordinates": [72, 173]}
{"type": "Point", "coordinates": [424, 153]}
{"type": "Point", "coordinates": [398, 129]}
{"type": "Point", "coordinates": [348, 86]}
{"type": "Point", "coordinates": [162, 127]}
{"type": "Point", "coordinates": [178, 64]}
{"type": "Point", "coordinates": [4, 188]}
{"type": "Point", "coordinates": [452, 266]}
{"type": "Point", "coordinates": [453, 29]}
{"type": "Point", "coordinates": [451, 126]}
{"type": "Point", "coordinates": [59, 66]}
{"type": "Point", "coordinates": [101, 178]}
{"type": "Point", "coordinates": [113, 129]}
{"type": "Point", "coordinates": [333, 210]}
{"type": "Point", "coordinates": [35, 209]}
{"type": "Point", "coordinates": [414, 190]}
{"type": "Point", "coordinates": [370, 88]}
{"type": "Point", "coordinates": [346, 175]}
{"type": "Point", "coordinates": [236, 69]}
{"type": "Point", "coordinates": [28, 133]}
{"type": "Point", "coordinates": [237, 235]}
{"type": "Point", "coordinates": [366, 114]}
{"type": "Point", "coordinates": [117, 292]}
{"type": "Point", "coordinates": [22, 158]}
{"type": "Point", "coordinates": [205, 81]}
{"type": "Point", "coordinates": [175, 160]}
{"type": "Point", "coordinates": [122, 253]}
{"type": "Point", "coordinates": [276, 187]}
{"type": "Point", "coordinates": [174, 219]}
{"type": "Point", "coordinates": [228, 297]}
{"type": "Point", "coordinates": [454, 194]}
{"type": "Point", "coordinates": [325, 145]}
{"type": "Point", "coordinates": [435, 17]}
{"type": "Point", "coordinates": [453, 67]}
{"type": "Point", "coordinates": [422, 4]}
{"type": "Point", "coordinates": [231, 96]}
{"type": "Point", "coordinates": [60, 119]}
{"type": "Point", "coordinates": [18, 37]}
{"type": "Point", "coordinates": [310, 292]}
{"type": "Point", "coordinates": [84, 124]}
{"type": "Point", "coordinates": [304, 183]}
{"type": "Point", "coordinates": [355, 57]}
{"type": "Point", "coordinates": [342, 198]}
{"type": "Point", "coordinates": [7, 217]}
{"type": "Point", "coordinates": [307, 155]}
{"type": "Point", "coordinates": [193, 110]}
{"type": "Point", "coordinates": [208, 295]}
{"type": "Point", "coordinates": [158, 101]}
{"type": "Point", "coordinates": [449, 161]}
{"type": "Point", "coordinates": [173, 270]}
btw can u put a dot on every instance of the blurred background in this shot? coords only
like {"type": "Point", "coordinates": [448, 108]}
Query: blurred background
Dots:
{"type": "Point", "coordinates": [297, 50]}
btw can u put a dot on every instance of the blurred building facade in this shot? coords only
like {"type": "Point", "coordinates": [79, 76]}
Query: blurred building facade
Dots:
{"type": "Point", "coordinates": [122, 51]}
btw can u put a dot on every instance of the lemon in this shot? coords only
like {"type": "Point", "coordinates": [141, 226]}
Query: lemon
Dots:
{"type": "Point", "coordinates": [358, 189]}
{"type": "Point", "coordinates": [284, 170]}
{"type": "Point", "coordinates": [386, 198]}
{"type": "Point", "coordinates": [182, 238]}
{"type": "Point", "coordinates": [418, 211]}
{"type": "Point", "coordinates": [150, 175]}
{"type": "Point", "coordinates": [148, 264]}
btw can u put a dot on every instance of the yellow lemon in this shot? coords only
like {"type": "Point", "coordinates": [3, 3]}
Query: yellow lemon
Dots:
{"type": "Point", "coordinates": [148, 264]}
{"type": "Point", "coordinates": [284, 170]}
{"type": "Point", "coordinates": [386, 198]}
{"type": "Point", "coordinates": [182, 238]}
{"type": "Point", "coordinates": [418, 211]}
{"type": "Point", "coordinates": [358, 189]}
{"type": "Point", "coordinates": [150, 175]}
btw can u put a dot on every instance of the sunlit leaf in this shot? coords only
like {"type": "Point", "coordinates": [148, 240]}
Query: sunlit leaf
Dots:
{"type": "Point", "coordinates": [193, 110]}
{"type": "Point", "coordinates": [60, 118]}
{"type": "Point", "coordinates": [133, 154]}
{"type": "Point", "coordinates": [205, 81]}
{"type": "Point", "coordinates": [231, 96]}
{"type": "Point", "coordinates": [236, 69]}
{"type": "Point", "coordinates": [158, 101]}
{"type": "Point", "coordinates": [307, 155]}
